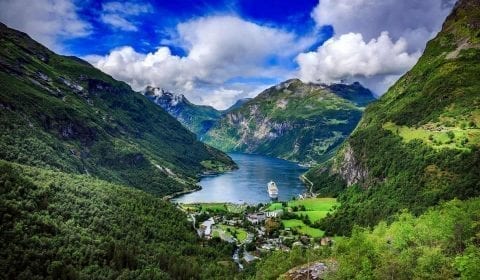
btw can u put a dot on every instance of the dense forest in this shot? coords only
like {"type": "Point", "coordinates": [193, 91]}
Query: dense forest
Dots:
{"type": "Point", "coordinates": [443, 243]}
{"type": "Point", "coordinates": [61, 113]}
{"type": "Point", "coordinates": [419, 144]}
{"type": "Point", "coordinates": [62, 226]}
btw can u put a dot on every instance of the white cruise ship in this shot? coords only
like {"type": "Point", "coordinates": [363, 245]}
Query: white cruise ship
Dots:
{"type": "Point", "coordinates": [272, 190]}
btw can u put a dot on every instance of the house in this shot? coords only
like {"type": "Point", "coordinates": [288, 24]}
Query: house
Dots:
{"type": "Point", "coordinates": [206, 228]}
{"type": "Point", "coordinates": [256, 218]}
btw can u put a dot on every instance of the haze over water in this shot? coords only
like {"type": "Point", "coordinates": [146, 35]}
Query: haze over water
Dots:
{"type": "Point", "coordinates": [248, 184]}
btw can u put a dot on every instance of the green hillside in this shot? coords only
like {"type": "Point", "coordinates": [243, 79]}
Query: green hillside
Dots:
{"type": "Point", "coordinates": [62, 226]}
{"type": "Point", "coordinates": [60, 113]}
{"type": "Point", "coordinates": [293, 120]}
{"type": "Point", "coordinates": [420, 143]}
{"type": "Point", "coordinates": [440, 244]}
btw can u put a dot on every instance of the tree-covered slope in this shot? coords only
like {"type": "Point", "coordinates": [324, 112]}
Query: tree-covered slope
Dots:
{"type": "Point", "coordinates": [293, 120]}
{"type": "Point", "coordinates": [197, 118]}
{"type": "Point", "coordinates": [61, 113]}
{"type": "Point", "coordinates": [442, 243]}
{"type": "Point", "coordinates": [420, 143]}
{"type": "Point", "coordinates": [56, 225]}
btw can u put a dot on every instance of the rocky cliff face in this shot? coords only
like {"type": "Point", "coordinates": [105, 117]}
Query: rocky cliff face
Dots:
{"type": "Point", "coordinates": [350, 168]}
{"type": "Point", "coordinates": [293, 120]}
{"type": "Point", "coordinates": [196, 118]}
{"type": "Point", "coordinates": [419, 144]}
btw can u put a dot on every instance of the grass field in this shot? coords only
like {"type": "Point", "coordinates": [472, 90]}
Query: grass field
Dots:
{"type": "Point", "coordinates": [315, 204]}
{"type": "Point", "coordinates": [315, 209]}
{"type": "Point", "coordinates": [311, 204]}
{"type": "Point", "coordinates": [241, 233]}
{"type": "Point", "coordinates": [214, 207]}
{"type": "Point", "coordinates": [302, 228]}
{"type": "Point", "coordinates": [313, 216]}
{"type": "Point", "coordinates": [452, 138]}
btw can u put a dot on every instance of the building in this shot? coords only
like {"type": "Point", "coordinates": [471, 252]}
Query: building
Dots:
{"type": "Point", "coordinates": [256, 218]}
{"type": "Point", "coordinates": [205, 229]}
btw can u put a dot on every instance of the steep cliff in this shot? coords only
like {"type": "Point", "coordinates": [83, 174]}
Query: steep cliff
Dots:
{"type": "Point", "coordinates": [61, 113]}
{"type": "Point", "coordinates": [197, 118]}
{"type": "Point", "coordinates": [420, 143]}
{"type": "Point", "coordinates": [293, 120]}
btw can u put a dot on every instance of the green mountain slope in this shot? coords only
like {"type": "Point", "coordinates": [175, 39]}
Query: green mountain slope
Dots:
{"type": "Point", "coordinates": [63, 226]}
{"type": "Point", "coordinates": [420, 143]}
{"type": "Point", "coordinates": [442, 243]}
{"type": "Point", "coordinates": [61, 113]}
{"type": "Point", "coordinates": [197, 118]}
{"type": "Point", "coordinates": [293, 120]}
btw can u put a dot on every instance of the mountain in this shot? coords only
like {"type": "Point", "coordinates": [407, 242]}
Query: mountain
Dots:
{"type": "Point", "coordinates": [58, 225]}
{"type": "Point", "coordinates": [293, 120]}
{"type": "Point", "coordinates": [197, 118]}
{"type": "Point", "coordinates": [74, 145]}
{"type": "Point", "coordinates": [420, 143]}
{"type": "Point", "coordinates": [61, 113]}
{"type": "Point", "coordinates": [239, 103]}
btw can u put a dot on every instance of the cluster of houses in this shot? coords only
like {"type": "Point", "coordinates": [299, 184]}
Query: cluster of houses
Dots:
{"type": "Point", "coordinates": [256, 233]}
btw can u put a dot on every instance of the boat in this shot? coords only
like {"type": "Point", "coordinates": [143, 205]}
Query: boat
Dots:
{"type": "Point", "coordinates": [272, 190]}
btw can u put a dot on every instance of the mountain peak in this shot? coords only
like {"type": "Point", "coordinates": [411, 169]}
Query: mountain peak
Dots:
{"type": "Point", "coordinates": [160, 95]}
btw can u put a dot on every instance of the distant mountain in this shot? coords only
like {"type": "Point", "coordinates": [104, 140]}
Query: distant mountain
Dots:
{"type": "Point", "coordinates": [420, 143]}
{"type": "Point", "coordinates": [236, 105]}
{"type": "Point", "coordinates": [197, 118]}
{"type": "Point", "coordinates": [293, 120]}
{"type": "Point", "coordinates": [61, 113]}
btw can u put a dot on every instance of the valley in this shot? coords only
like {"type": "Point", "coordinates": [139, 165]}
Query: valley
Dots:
{"type": "Point", "coordinates": [109, 171]}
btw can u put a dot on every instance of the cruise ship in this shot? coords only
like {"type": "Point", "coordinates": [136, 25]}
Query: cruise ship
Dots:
{"type": "Point", "coordinates": [272, 190]}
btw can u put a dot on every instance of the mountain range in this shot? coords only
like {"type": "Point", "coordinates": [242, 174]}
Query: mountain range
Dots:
{"type": "Point", "coordinates": [61, 113]}
{"type": "Point", "coordinates": [419, 144]}
{"type": "Point", "coordinates": [196, 118]}
{"type": "Point", "coordinates": [86, 164]}
{"type": "Point", "coordinates": [293, 120]}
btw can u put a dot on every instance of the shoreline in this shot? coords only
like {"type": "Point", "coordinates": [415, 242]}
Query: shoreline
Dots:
{"type": "Point", "coordinates": [180, 193]}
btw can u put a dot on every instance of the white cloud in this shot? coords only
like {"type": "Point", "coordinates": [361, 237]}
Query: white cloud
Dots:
{"type": "Point", "coordinates": [414, 20]}
{"type": "Point", "coordinates": [350, 56]}
{"type": "Point", "coordinates": [47, 21]}
{"type": "Point", "coordinates": [120, 14]}
{"type": "Point", "coordinates": [118, 22]}
{"type": "Point", "coordinates": [361, 48]}
{"type": "Point", "coordinates": [218, 49]}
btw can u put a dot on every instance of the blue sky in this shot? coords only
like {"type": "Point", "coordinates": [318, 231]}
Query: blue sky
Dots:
{"type": "Point", "coordinates": [156, 25]}
{"type": "Point", "coordinates": [218, 51]}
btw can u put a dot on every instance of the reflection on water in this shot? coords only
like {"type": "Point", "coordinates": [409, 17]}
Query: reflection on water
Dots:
{"type": "Point", "coordinates": [249, 183]}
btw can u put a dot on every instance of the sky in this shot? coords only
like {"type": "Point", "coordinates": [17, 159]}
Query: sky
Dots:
{"type": "Point", "coordinates": [218, 51]}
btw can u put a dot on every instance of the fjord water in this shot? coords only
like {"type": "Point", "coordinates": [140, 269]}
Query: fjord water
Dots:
{"type": "Point", "coordinates": [248, 184]}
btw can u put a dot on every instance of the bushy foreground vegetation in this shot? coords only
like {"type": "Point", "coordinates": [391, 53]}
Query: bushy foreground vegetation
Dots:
{"type": "Point", "coordinates": [443, 243]}
{"type": "Point", "coordinates": [62, 226]}
{"type": "Point", "coordinates": [419, 144]}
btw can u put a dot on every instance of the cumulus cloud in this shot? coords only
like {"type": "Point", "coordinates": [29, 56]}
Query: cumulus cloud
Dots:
{"type": "Point", "coordinates": [414, 20]}
{"type": "Point", "coordinates": [47, 21]}
{"type": "Point", "coordinates": [376, 41]}
{"type": "Point", "coordinates": [350, 56]}
{"type": "Point", "coordinates": [218, 49]}
{"type": "Point", "coordinates": [120, 14]}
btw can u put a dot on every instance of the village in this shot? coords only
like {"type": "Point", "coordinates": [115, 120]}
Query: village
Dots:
{"type": "Point", "coordinates": [259, 229]}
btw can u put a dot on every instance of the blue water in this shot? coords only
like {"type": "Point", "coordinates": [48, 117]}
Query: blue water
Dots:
{"type": "Point", "coordinates": [248, 184]}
